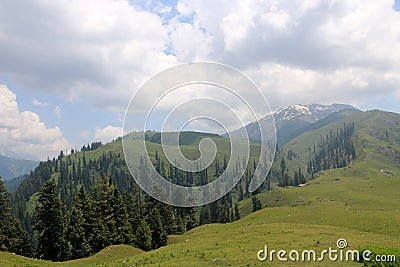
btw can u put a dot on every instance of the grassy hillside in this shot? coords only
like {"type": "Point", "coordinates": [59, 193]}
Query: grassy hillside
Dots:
{"type": "Point", "coordinates": [109, 254]}
{"type": "Point", "coordinates": [377, 136]}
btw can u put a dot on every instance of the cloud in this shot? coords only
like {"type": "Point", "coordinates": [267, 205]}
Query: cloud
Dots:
{"type": "Point", "coordinates": [99, 58]}
{"type": "Point", "coordinates": [57, 112]}
{"type": "Point", "coordinates": [308, 50]}
{"type": "Point", "coordinates": [107, 133]}
{"type": "Point", "coordinates": [189, 42]}
{"type": "Point", "coordinates": [36, 102]}
{"type": "Point", "coordinates": [24, 134]}
{"type": "Point", "coordinates": [296, 50]}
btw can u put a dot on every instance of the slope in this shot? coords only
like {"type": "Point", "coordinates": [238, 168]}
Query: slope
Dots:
{"type": "Point", "coordinates": [294, 120]}
{"type": "Point", "coordinates": [10, 168]}
{"type": "Point", "coordinates": [376, 137]}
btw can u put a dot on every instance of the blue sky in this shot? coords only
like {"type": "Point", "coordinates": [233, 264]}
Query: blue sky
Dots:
{"type": "Point", "coordinates": [68, 81]}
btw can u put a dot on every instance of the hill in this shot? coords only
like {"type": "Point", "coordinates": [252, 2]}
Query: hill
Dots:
{"type": "Point", "coordinates": [376, 136]}
{"type": "Point", "coordinates": [10, 168]}
{"type": "Point", "coordinates": [109, 254]}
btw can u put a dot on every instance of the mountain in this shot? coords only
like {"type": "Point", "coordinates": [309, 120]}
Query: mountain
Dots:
{"type": "Point", "coordinates": [10, 168]}
{"type": "Point", "coordinates": [294, 120]}
{"type": "Point", "coordinates": [376, 137]}
{"type": "Point", "coordinates": [13, 183]}
{"type": "Point", "coordinates": [310, 113]}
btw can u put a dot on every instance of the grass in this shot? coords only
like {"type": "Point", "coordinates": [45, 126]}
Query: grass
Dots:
{"type": "Point", "coordinates": [109, 254]}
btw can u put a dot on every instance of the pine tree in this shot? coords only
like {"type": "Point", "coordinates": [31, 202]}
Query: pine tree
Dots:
{"type": "Point", "coordinates": [256, 203]}
{"type": "Point", "coordinates": [12, 237]}
{"type": "Point", "coordinates": [158, 233]}
{"type": "Point", "coordinates": [237, 212]}
{"type": "Point", "coordinates": [132, 209]}
{"type": "Point", "coordinates": [77, 237]}
{"type": "Point", "coordinates": [122, 232]}
{"type": "Point", "coordinates": [143, 236]}
{"type": "Point", "coordinates": [283, 165]}
{"type": "Point", "coordinates": [102, 220]}
{"type": "Point", "coordinates": [191, 218]}
{"type": "Point", "coordinates": [50, 225]}
{"type": "Point", "coordinates": [205, 215]}
{"type": "Point", "coordinates": [224, 214]}
{"type": "Point", "coordinates": [79, 229]}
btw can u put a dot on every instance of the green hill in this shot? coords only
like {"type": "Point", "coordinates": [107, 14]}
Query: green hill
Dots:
{"type": "Point", "coordinates": [359, 202]}
{"type": "Point", "coordinates": [376, 136]}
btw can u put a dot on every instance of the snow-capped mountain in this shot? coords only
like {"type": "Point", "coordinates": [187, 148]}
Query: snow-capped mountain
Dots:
{"type": "Point", "coordinates": [311, 113]}
{"type": "Point", "coordinates": [294, 120]}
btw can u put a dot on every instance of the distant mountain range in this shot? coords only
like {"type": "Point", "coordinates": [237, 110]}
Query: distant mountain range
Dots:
{"type": "Point", "coordinates": [11, 168]}
{"type": "Point", "coordinates": [294, 120]}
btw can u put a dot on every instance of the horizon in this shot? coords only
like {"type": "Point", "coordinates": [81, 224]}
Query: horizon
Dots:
{"type": "Point", "coordinates": [78, 147]}
{"type": "Point", "coordinates": [65, 83]}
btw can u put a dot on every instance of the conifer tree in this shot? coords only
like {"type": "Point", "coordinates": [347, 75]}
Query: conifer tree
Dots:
{"type": "Point", "coordinates": [158, 235]}
{"type": "Point", "coordinates": [205, 215]}
{"type": "Point", "coordinates": [77, 237]}
{"type": "Point", "coordinates": [143, 236]}
{"type": "Point", "coordinates": [78, 230]}
{"type": "Point", "coordinates": [122, 232]}
{"type": "Point", "coordinates": [102, 220]}
{"type": "Point", "coordinates": [50, 225]}
{"type": "Point", "coordinates": [256, 203]}
{"type": "Point", "coordinates": [237, 212]}
{"type": "Point", "coordinates": [12, 237]}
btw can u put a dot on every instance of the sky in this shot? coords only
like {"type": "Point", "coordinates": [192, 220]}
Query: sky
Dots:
{"type": "Point", "coordinates": [69, 68]}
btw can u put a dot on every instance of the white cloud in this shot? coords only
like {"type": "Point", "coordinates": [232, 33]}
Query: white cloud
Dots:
{"type": "Point", "coordinates": [57, 112]}
{"type": "Point", "coordinates": [296, 50]}
{"type": "Point", "coordinates": [36, 102]}
{"type": "Point", "coordinates": [95, 51]}
{"type": "Point", "coordinates": [189, 42]}
{"type": "Point", "coordinates": [23, 133]}
{"type": "Point", "coordinates": [107, 133]}
{"type": "Point", "coordinates": [307, 51]}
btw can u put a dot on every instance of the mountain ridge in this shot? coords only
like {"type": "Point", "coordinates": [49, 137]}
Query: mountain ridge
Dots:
{"type": "Point", "coordinates": [11, 167]}
{"type": "Point", "coordinates": [293, 120]}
